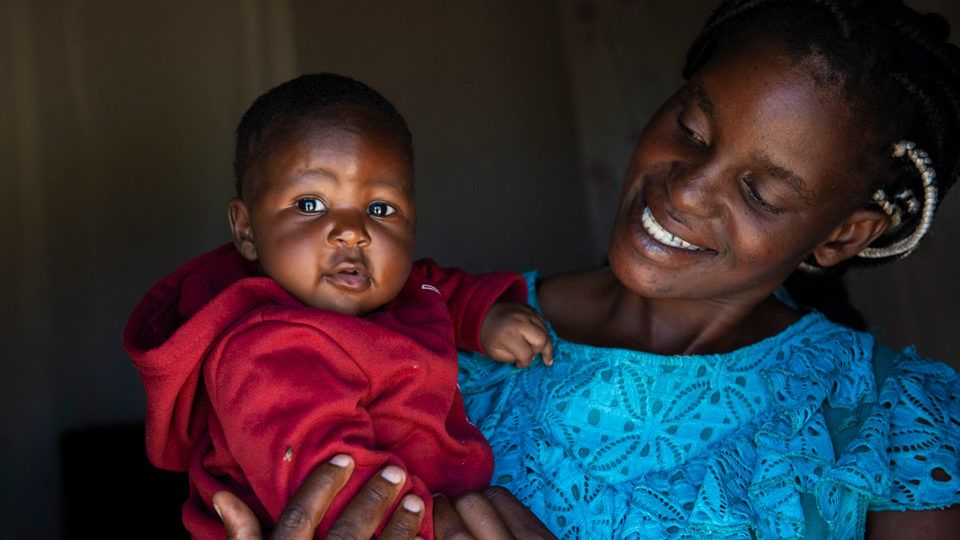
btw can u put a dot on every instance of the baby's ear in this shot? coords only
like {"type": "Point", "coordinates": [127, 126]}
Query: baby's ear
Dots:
{"type": "Point", "coordinates": [239, 216]}
{"type": "Point", "coordinates": [851, 237]}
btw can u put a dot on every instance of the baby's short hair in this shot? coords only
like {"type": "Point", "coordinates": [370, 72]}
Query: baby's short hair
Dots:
{"type": "Point", "coordinates": [298, 99]}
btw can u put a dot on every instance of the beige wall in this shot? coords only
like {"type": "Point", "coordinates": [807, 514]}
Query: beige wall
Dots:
{"type": "Point", "coordinates": [115, 159]}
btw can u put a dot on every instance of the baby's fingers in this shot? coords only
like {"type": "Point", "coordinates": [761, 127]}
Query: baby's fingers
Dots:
{"type": "Point", "coordinates": [538, 340]}
{"type": "Point", "coordinates": [547, 353]}
{"type": "Point", "coordinates": [515, 350]}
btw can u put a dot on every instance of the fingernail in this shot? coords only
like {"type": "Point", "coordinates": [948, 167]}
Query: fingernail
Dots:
{"type": "Point", "coordinates": [412, 504]}
{"type": "Point", "coordinates": [217, 510]}
{"type": "Point", "coordinates": [392, 474]}
{"type": "Point", "coordinates": [341, 460]}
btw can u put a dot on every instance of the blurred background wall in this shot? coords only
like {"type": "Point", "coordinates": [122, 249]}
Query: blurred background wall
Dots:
{"type": "Point", "coordinates": [116, 133]}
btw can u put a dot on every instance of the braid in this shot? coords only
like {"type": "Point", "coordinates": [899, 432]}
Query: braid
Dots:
{"type": "Point", "coordinates": [838, 16]}
{"type": "Point", "coordinates": [893, 62]}
{"type": "Point", "coordinates": [725, 21]}
{"type": "Point", "coordinates": [929, 110]}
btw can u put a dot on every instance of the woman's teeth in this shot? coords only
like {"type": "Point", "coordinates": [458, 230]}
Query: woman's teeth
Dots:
{"type": "Point", "coordinates": [661, 235]}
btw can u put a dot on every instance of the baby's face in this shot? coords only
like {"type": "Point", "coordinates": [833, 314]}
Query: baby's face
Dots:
{"type": "Point", "coordinates": [331, 215]}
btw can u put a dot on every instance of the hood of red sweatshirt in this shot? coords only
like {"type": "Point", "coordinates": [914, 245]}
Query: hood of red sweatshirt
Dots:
{"type": "Point", "coordinates": [169, 333]}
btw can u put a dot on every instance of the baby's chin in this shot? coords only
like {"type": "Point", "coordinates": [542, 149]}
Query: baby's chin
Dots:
{"type": "Point", "coordinates": [345, 306]}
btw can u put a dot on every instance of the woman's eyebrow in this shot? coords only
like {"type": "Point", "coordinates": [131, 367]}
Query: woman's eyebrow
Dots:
{"type": "Point", "coordinates": [703, 100]}
{"type": "Point", "coordinates": [792, 179]}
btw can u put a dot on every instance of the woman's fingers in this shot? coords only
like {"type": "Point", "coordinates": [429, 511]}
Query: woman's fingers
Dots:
{"type": "Point", "coordinates": [447, 524]}
{"type": "Point", "coordinates": [237, 517]}
{"type": "Point", "coordinates": [493, 514]}
{"type": "Point", "coordinates": [303, 513]}
{"type": "Point", "coordinates": [481, 517]}
{"type": "Point", "coordinates": [369, 506]}
{"type": "Point", "coordinates": [405, 522]}
{"type": "Point", "coordinates": [520, 520]}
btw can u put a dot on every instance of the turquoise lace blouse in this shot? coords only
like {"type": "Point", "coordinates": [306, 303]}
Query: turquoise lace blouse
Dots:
{"type": "Point", "coordinates": [784, 438]}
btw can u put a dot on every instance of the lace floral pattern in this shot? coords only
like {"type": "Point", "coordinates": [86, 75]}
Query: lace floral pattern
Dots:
{"type": "Point", "coordinates": [612, 443]}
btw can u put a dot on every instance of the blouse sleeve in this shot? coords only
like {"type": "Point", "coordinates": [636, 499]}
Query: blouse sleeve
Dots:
{"type": "Point", "coordinates": [902, 453]}
{"type": "Point", "coordinates": [916, 425]}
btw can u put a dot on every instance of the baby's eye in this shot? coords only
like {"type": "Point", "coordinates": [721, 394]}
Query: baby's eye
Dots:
{"type": "Point", "coordinates": [311, 205]}
{"type": "Point", "coordinates": [381, 209]}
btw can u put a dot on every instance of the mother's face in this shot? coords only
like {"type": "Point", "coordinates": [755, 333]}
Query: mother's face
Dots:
{"type": "Point", "coordinates": [741, 175]}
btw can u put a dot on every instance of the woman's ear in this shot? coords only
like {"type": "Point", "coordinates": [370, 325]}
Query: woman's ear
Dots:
{"type": "Point", "coordinates": [239, 216]}
{"type": "Point", "coordinates": [851, 237]}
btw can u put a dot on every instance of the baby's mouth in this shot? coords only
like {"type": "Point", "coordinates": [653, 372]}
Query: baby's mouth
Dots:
{"type": "Point", "coordinates": [658, 233]}
{"type": "Point", "coordinates": [349, 279]}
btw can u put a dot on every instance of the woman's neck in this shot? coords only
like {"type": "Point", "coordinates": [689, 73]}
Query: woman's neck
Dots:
{"type": "Point", "coordinates": [594, 308]}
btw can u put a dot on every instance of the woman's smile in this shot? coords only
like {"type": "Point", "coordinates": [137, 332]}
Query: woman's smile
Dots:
{"type": "Point", "coordinates": [656, 240]}
{"type": "Point", "coordinates": [662, 235]}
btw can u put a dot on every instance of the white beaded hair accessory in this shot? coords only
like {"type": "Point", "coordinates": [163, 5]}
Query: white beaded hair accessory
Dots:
{"type": "Point", "coordinates": [903, 247]}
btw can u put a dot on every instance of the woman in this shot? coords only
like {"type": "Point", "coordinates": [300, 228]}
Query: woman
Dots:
{"type": "Point", "coordinates": [685, 397]}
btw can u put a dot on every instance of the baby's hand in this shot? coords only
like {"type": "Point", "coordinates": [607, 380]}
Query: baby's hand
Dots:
{"type": "Point", "coordinates": [514, 333]}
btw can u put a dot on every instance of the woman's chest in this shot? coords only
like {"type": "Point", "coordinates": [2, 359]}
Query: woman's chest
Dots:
{"type": "Point", "coordinates": [624, 417]}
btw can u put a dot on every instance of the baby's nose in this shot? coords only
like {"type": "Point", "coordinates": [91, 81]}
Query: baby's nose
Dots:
{"type": "Point", "coordinates": [349, 230]}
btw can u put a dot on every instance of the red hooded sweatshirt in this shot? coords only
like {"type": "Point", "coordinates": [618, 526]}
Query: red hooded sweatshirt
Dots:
{"type": "Point", "coordinates": [248, 389]}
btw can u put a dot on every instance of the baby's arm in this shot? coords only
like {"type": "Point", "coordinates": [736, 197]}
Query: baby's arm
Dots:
{"type": "Point", "coordinates": [515, 334]}
{"type": "Point", "coordinates": [489, 315]}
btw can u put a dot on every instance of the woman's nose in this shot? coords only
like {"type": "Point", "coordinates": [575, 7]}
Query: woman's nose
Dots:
{"type": "Point", "coordinates": [696, 190]}
{"type": "Point", "coordinates": [348, 230]}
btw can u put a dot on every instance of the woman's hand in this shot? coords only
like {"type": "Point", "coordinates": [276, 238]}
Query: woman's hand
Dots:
{"type": "Point", "coordinates": [303, 513]}
{"type": "Point", "coordinates": [491, 514]}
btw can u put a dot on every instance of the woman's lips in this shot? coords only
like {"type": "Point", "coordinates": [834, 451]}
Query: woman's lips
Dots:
{"type": "Point", "coordinates": [655, 241]}
{"type": "Point", "coordinates": [662, 235]}
{"type": "Point", "coordinates": [349, 280]}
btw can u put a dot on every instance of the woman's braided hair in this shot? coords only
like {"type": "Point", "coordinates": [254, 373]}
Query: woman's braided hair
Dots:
{"type": "Point", "coordinates": [891, 61]}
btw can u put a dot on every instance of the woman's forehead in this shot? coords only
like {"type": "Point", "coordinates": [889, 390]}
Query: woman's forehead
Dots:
{"type": "Point", "coordinates": [777, 110]}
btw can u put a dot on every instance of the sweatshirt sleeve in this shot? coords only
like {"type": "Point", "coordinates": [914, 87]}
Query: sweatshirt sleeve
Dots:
{"type": "Point", "coordinates": [470, 296]}
{"type": "Point", "coordinates": [287, 398]}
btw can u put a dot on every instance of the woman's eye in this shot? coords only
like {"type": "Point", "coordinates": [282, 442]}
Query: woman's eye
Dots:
{"type": "Point", "coordinates": [311, 205]}
{"type": "Point", "coordinates": [757, 198]}
{"type": "Point", "coordinates": [381, 209]}
{"type": "Point", "coordinates": [689, 133]}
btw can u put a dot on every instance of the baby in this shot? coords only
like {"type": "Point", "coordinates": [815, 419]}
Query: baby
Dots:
{"type": "Point", "coordinates": [315, 334]}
